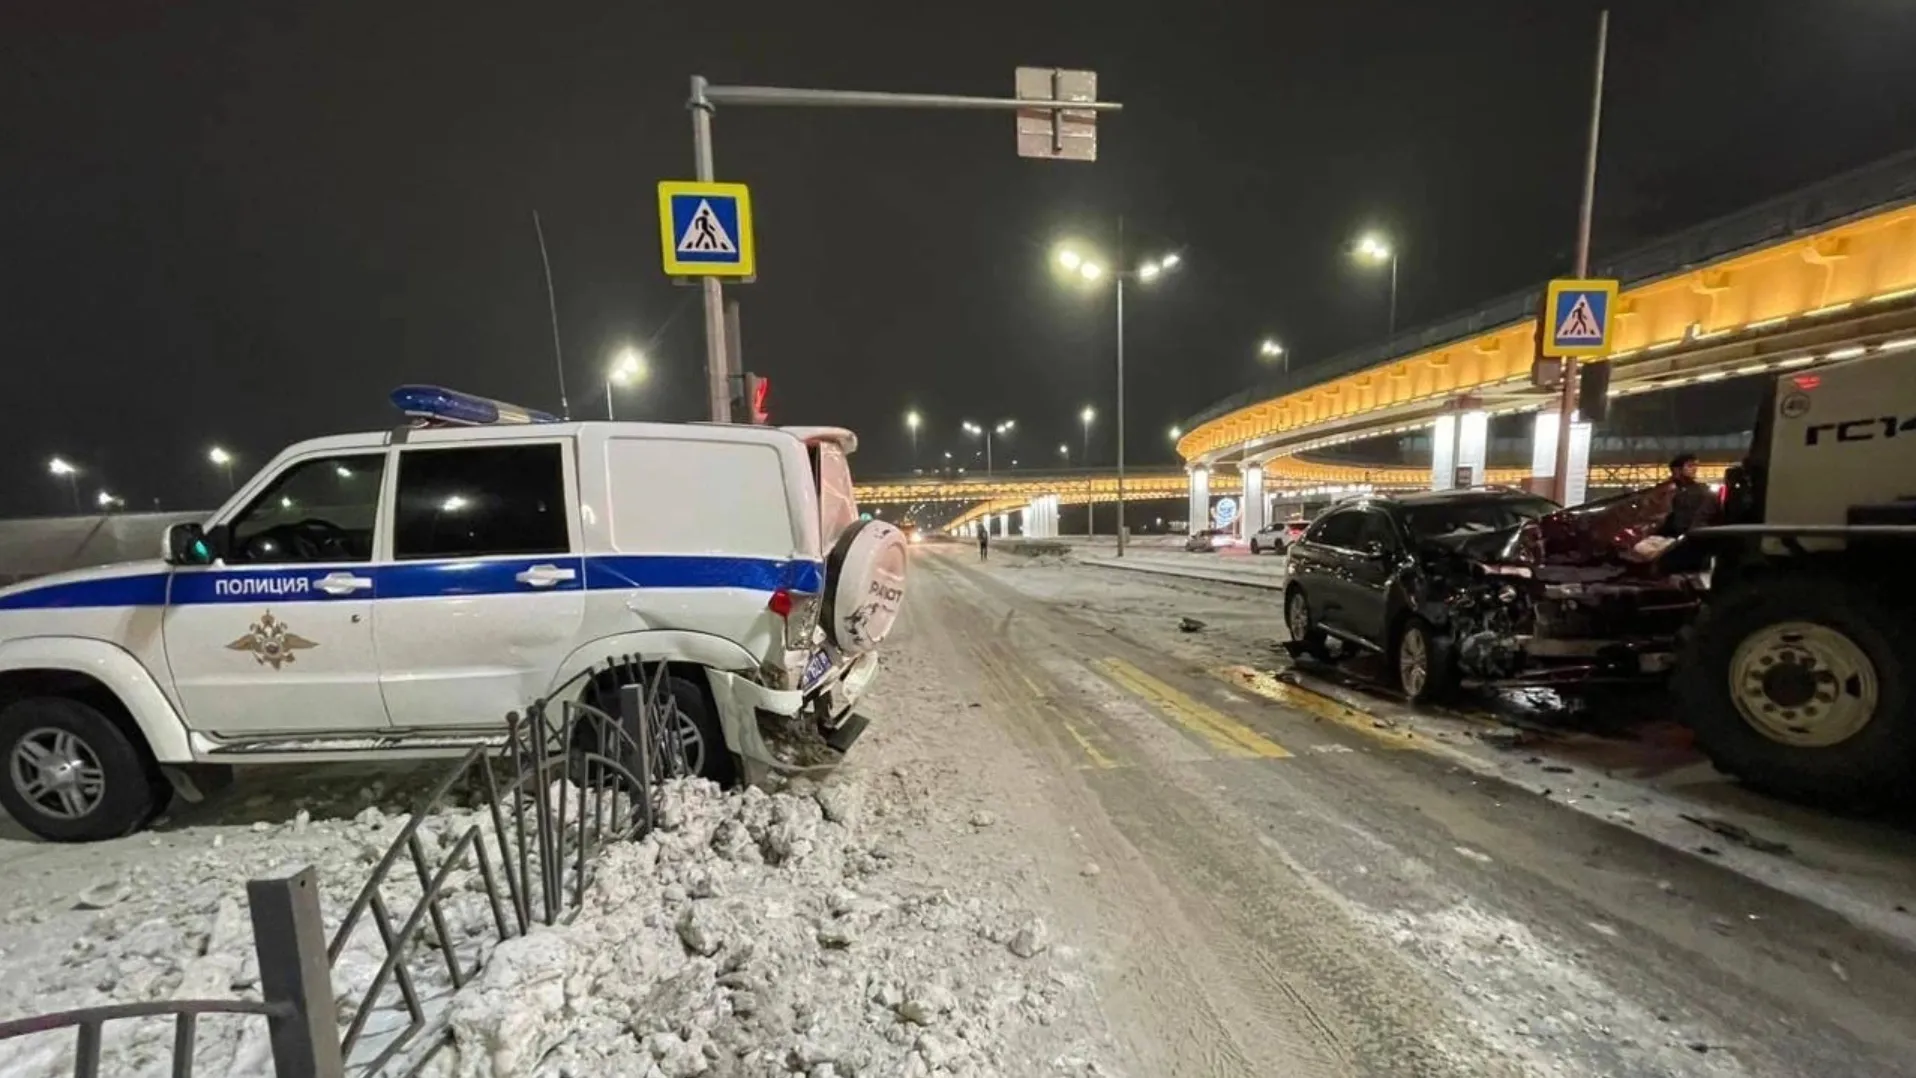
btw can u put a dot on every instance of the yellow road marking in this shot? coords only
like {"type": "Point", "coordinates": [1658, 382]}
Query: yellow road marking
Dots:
{"type": "Point", "coordinates": [1098, 759]}
{"type": "Point", "coordinates": [1395, 736]}
{"type": "Point", "coordinates": [1222, 732]}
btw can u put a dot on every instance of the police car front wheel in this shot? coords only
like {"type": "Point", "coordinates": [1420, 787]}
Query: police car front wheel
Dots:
{"type": "Point", "coordinates": [72, 774]}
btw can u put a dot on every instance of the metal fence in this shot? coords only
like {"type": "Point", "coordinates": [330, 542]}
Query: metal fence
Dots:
{"type": "Point", "coordinates": [563, 788]}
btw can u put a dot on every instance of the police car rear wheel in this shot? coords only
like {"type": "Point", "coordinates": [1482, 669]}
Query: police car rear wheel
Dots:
{"type": "Point", "coordinates": [72, 774]}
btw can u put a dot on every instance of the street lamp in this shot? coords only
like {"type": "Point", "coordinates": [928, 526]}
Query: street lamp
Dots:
{"type": "Point", "coordinates": [1176, 434]}
{"type": "Point", "coordinates": [1091, 270]}
{"type": "Point", "coordinates": [1271, 350]}
{"type": "Point", "coordinates": [1002, 427]}
{"type": "Point", "coordinates": [1064, 452]}
{"type": "Point", "coordinates": [108, 502]}
{"type": "Point", "coordinates": [1373, 248]}
{"type": "Point", "coordinates": [628, 368]}
{"type": "Point", "coordinates": [912, 419]}
{"type": "Point", "coordinates": [1086, 417]}
{"type": "Point", "coordinates": [71, 474]}
{"type": "Point", "coordinates": [224, 461]}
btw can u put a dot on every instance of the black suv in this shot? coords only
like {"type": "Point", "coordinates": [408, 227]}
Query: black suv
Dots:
{"type": "Point", "coordinates": [1360, 574]}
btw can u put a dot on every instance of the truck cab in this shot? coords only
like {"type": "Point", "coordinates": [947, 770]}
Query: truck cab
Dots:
{"type": "Point", "coordinates": [397, 594]}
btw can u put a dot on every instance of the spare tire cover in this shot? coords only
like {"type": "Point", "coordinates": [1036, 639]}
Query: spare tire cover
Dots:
{"type": "Point", "coordinates": [864, 585]}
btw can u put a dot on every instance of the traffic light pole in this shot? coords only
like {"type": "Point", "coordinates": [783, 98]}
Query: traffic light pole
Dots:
{"type": "Point", "coordinates": [707, 97]}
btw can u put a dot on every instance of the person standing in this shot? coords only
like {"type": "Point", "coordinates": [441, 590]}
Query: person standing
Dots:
{"type": "Point", "coordinates": [984, 543]}
{"type": "Point", "coordinates": [1692, 505]}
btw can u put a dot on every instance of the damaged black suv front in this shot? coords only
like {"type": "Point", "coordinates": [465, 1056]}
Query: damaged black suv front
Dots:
{"type": "Point", "coordinates": [1575, 597]}
{"type": "Point", "coordinates": [1492, 587]}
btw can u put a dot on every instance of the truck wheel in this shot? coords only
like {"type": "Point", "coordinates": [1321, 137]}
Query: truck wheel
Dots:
{"type": "Point", "coordinates": [72, 774]}
{"type": "Point", "coordinates": [1297, 618]}
{"type": "Point", "coordinates": [1425, 662]}
{"type": "Point", "coordinates": [1797, 685]}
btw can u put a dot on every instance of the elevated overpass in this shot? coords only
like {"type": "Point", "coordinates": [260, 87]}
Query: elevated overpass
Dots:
{"type": "Point", "coordinates": [1828, 273]}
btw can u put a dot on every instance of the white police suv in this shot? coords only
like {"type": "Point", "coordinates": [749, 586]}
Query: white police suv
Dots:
{"type": "Point", "coordinates": [396, 594]}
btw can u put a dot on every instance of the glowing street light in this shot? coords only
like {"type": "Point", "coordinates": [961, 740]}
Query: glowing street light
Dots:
{"type": "Point", "coordinates": [1268, 349]}
{"type": "Point", "coordinates": [912, 420]}
{"type": "Point", "coordinates": [1176, 434]}
{"type": "Point", "coordinates": [628, 368]}
{"type": "Point", "coordinates": [108, 502]}
{"type": "Point", "coordinates": [223, 461]}
{"type": "Point", "coordinates": [71, 474]}
{"type": "Point", "coordinates": [1003, 426]}
{"type": "Point", "coordinates": [1374, 248]}
{"type": "Point", "coordinates": [1091, 270]}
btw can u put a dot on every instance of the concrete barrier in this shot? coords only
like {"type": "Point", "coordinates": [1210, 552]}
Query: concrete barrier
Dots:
{"type": "Point", "coordinates": [42, 545]}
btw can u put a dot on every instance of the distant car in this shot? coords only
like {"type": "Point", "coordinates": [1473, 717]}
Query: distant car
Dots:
{"type": "Point", "coordinates": [1277, 538]}
{"type": "Point", "coordinates": [1209, 540]}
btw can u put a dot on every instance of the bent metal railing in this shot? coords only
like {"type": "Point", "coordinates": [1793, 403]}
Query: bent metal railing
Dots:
{"type": "Point", "coordinates": [558, 793]}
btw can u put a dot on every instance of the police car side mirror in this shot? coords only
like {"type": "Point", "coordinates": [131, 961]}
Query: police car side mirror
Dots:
{"type": "Point", "coordinates": [186, 545]}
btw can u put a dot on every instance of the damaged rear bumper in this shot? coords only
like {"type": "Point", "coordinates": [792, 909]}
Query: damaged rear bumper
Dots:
{"type": "Point", "coordinates": [788, 733]}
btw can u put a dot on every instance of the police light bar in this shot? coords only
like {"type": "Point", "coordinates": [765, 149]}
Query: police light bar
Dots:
{"type": "Point", "coordinates": [437, 406]}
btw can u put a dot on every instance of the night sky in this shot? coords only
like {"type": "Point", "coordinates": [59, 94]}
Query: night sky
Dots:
{"type": "Point", "coordinates": [244, 223]}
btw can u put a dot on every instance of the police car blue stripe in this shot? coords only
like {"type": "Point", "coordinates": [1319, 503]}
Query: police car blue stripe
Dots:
{"type": "Point", "coordinates": [419, 580]}
{"type": "Point", "coordinates": [144, 589]}
{"type": "Point", "coordinates": [613, 571]}
{"type": "Point", "coordinates": [413, 580]}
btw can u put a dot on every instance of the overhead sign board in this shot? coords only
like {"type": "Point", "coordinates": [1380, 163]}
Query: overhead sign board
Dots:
{"type": "Point", "coordinates": [1057, 134]}
{"type": "Point", "coordinates": [705, 229]}
{"type": "Point", "coordinates": [1577, 317]}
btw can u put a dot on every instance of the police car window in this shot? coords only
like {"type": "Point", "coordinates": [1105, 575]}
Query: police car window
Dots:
{"type": "Point", "coordinates": [1338, 529]}
{"type": "Point", "coordinates": [463, 503]}
{"type": "Point", "coordinates": [319, 510]}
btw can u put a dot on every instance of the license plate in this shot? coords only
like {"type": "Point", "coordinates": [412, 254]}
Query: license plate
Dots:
{"type": "Point", "coordinates": [817, 667]}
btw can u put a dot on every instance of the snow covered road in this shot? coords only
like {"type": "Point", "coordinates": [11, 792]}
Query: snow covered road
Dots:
{"type": "Point", "coordinates": [1306, 888]}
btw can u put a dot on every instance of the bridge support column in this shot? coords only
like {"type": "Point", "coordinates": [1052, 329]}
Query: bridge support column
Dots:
{"type": "Point", "coordinates": [1004, 525]}
{"type": "Point", "coordinates": [1253, 500]}
{"type": "Point", "coordinates": [1543, 458]}
{"type": "Point", "coordinates": [1459, 445]}
{"type": "Point", "coordinates": [1200, 499]}
{"type": "Point", "coordinates": [1041, 517]}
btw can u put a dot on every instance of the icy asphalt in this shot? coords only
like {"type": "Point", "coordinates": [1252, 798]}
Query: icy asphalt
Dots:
{"type": "Point", "coordinates": [1306, 884]}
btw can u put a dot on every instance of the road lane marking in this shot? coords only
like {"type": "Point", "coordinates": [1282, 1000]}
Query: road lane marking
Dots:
{"type": "Point", "coordinates": [1099, 761]}
{"type": "Point", "coordinates": [1227, 735]}
{"type": "Point", "coordinates": [1393, 736]}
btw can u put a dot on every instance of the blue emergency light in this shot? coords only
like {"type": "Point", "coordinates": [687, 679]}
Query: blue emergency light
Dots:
{"type": "Point", "coordinates": [438, 406]}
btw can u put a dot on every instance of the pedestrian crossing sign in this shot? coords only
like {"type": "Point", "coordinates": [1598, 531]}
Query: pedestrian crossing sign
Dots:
{"type": "Point", "coordinates": [705, 229]}
{"type": "Point", "coordinates": [1577, 317]}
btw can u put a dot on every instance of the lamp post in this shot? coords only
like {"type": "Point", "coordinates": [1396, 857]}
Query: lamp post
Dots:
{"type": "Point", "coordinates": [912, 419]}
{"type": "Point", "coordinates": [1374, 248]}
{"type": "Point", "coordinates": [224, 462]}
{"type": "Point", "coordinates": [71, 474]}
{"type": "Point", "coordinates": [108, 502]}
{"type": "Point", "coordinates": [1089, 270]}
{"type": "Point", "coordinates": [627, 368]}
{"type": "Point", "coordinates": [1002, 427]}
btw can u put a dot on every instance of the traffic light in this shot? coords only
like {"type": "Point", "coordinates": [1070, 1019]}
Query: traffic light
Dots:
{"type": "Point", "coordinates": [1593, 392]}
{"type": "Point", "coordinates": [754, 390]}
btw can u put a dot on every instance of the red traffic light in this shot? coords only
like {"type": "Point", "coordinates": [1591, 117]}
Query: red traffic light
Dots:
{"type": "Point", "coordinates": [757, 390]}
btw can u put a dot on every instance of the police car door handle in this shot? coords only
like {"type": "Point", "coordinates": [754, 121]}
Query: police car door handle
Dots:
{"type": "Point", "coordinates": [342, 583]}
{"type": "Point", "coordinates": [545, 576]}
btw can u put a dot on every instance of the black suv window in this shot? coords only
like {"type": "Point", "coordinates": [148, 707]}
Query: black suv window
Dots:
{"type": "Point", "coordinates": [1378, 529]}
{"type": "Point", "coordinates": [1339, 529]}
{"type": "Point", "coordinates": [464, 503]}
{"type": "Point", "coordinates": [1473, 516]}
{"type": "Point", "coordinates": [319, 510]}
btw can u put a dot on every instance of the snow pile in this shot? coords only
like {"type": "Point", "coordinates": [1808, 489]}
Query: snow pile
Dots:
{"type": "Point", "coordinates": [175, 925]}
{"type": "Point", "coordinates": [764, 934]}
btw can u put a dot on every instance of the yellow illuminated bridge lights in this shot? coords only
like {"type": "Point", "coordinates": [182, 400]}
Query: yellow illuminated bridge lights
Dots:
{"type": "Point", "coordinates": [1845, 290]}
